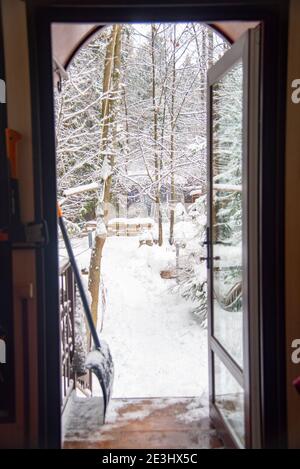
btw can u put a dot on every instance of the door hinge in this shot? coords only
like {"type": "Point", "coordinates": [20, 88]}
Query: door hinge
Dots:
{"type": "Point", "coordinates": [26, 236]}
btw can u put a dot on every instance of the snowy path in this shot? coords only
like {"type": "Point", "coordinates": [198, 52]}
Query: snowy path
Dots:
{"type": "Point", "coordinates": [158, 348]}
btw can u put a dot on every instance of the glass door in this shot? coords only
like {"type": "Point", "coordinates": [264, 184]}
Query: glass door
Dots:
{"type": "Point", "coordinates": [232, 255]}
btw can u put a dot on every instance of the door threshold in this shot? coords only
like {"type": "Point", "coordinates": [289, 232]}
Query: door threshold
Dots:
{"type": "Point", "coordinates": [149, 423]}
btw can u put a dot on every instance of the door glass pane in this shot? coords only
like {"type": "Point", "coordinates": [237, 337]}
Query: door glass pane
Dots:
{"type": "Point", "coordinates": [229, 398]}
{"type": "Point", "coordinates": [227, 149]}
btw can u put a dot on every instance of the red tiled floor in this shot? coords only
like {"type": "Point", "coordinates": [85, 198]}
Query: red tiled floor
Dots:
{"type": "Point", "coordinates": [166, 423]}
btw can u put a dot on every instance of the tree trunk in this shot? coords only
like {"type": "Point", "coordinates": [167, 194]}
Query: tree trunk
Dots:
{"type": "Point", "coordinates": [111, 79]}
{"type": "Point", "coordinates": [172, 138]}
{"type": "Point", "coordinates": [114, 105]}
{"type": "Point", "coordinates": [94, 275]}
{"type": "Point", "coordinates": [157, 162]}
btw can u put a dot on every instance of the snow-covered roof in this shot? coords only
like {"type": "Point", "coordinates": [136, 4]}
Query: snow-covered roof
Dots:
{"type": "Point", "coordinates": [197, 191]}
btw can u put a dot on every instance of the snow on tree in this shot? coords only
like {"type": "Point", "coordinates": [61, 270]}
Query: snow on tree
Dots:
{"type": "Point", "coordinates": [179, 57]}
{"type": "Point", "coordinates": [131, 119]}
{"type": "Point", "coordinates": [192, 275]}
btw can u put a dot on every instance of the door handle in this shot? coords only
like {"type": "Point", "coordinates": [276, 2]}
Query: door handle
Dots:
{"type": "Point", "coordinates": [207, 243]}
{"type": "Point", "coordinates": [215, 258]}
{"type": "Point", "coordinates": [208, 258]}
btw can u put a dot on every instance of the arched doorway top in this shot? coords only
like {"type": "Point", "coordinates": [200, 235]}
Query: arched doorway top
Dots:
{"type": "Point", "coordinates": [68, 38]}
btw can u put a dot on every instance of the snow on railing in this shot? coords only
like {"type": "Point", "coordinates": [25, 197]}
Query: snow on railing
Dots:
{"type": "Point", "coordinates": [67, 300]}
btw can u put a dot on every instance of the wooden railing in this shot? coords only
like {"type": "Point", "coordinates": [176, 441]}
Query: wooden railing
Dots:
{"type": "Point", "coordinates": [70, 378]}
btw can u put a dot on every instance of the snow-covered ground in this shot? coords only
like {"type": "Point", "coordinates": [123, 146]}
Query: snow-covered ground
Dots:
{"type": "Point", "coordinates": [157, 345]}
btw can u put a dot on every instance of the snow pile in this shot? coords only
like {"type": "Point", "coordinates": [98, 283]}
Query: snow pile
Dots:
{"type": "Point", "coordinates": [184, 231]}
{"type": "Point", "coordinates": [157, 346]}
{"type": "Point", "coordinates": [153, 259]}
{"type": "Point", "coordinates": [145, 236]}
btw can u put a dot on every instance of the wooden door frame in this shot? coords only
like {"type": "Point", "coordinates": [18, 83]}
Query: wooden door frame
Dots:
{"type": "Point", "coordinates": [274, 16]}
{"type": "Point", "coordinates": [6, 274]}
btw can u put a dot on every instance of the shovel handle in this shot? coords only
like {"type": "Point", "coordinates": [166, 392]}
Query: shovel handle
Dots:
{"type": "Point", "coordinates": [77, 276]}
{"type": "Point", "coordinates": [59, 211]}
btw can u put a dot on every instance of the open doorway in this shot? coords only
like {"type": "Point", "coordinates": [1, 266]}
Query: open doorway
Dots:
{"type": "Point", "coordinates": [131, 116]}
{"type": "Point", "coordinates": [273, 121]}
{"type": "Point", "coordinates": [132, 134]}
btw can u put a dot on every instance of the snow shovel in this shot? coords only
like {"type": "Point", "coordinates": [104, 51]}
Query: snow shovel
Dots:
{"type": "Point", "coordinates": [99, 360]}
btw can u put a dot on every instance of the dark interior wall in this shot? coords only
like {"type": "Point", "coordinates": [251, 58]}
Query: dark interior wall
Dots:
{"type": "Point", "coordinates": [24, 429]}
{"type": "Point", "coordinates": [292, 227]}
{"type": "Point", "coordinates": [19, 117]}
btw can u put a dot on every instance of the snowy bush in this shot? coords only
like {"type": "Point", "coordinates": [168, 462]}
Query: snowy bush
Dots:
{"type": "Point", "coordinates": [81, 338]}
{"type": "Point", "coordinates": [192, 275]}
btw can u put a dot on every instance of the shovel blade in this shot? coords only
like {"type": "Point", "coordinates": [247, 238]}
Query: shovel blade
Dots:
{"type": "Point", "coordinates": [100, 362]}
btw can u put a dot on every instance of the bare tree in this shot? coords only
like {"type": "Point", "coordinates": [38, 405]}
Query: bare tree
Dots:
{"type": "Point", "coordinates": [172, 136]}
{"type": "Point", "coordinates": [157, 159]}
{"type": "Point", "coordinates": [111, 80]}
{"type": "Point", "coordinates": [150, 137]}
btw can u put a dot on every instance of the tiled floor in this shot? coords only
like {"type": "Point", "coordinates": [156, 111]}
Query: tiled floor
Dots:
{"type": "Point", "coordinates": [164, 423]}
